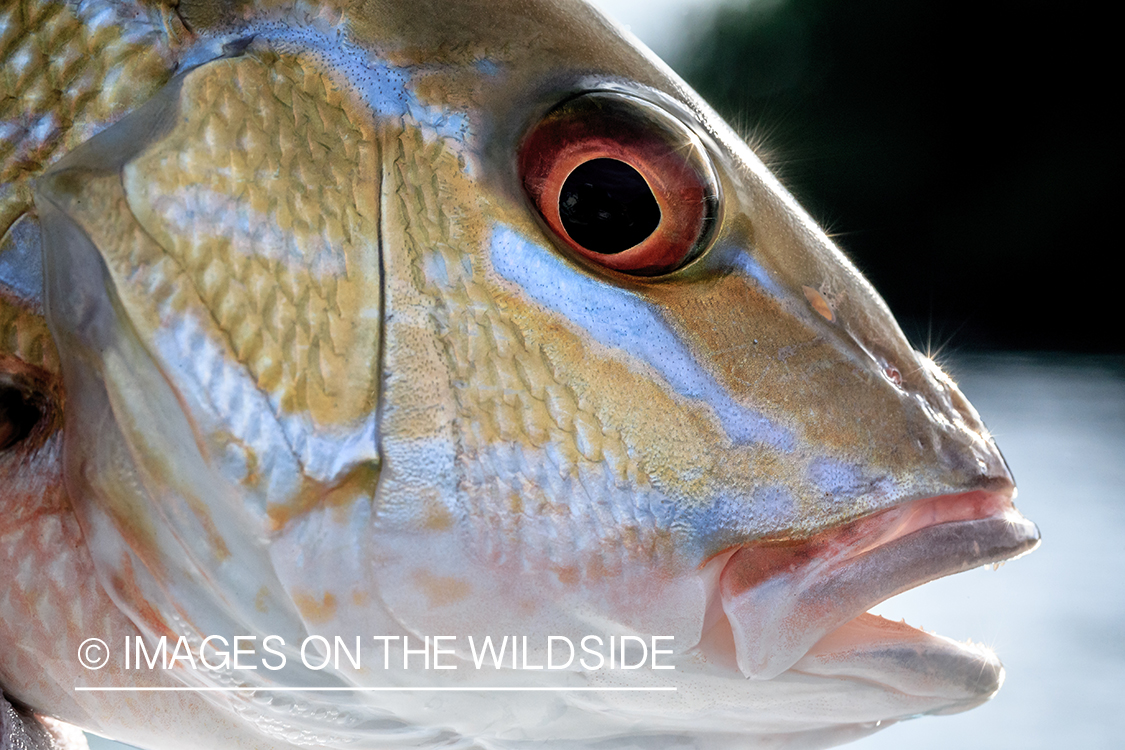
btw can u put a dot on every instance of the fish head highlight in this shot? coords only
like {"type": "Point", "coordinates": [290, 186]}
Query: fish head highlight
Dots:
{"type": "Point", "coordinates": [421, 318]}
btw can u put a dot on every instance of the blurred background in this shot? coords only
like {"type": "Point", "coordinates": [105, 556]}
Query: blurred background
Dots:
{"type": "Point", "coordinates": [966, 157]}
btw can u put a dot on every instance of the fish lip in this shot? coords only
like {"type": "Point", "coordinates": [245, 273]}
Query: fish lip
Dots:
{"type": "Point", "coordinates": [941, 675]}
{"type": "Point", "coordinates": [783, 597]}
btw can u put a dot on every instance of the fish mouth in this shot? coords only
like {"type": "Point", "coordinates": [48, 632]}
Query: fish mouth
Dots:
{"type": "Point", "coordinates": [802, 604]}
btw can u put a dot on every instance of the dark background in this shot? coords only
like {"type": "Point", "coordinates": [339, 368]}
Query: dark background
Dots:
{"type": "Point", "coordinates": [965, 155]}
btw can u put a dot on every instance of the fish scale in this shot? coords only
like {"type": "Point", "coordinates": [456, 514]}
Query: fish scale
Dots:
{"type": "Point", "coordinates": [58, 601]}
{"type": "Point", "coordinates": [306, 344]}
{"type": "Point", "coordinates": [58, 81]}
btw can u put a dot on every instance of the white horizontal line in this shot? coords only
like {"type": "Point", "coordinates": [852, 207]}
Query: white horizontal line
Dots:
{"type": "Point", "coordinates": [368, 689]}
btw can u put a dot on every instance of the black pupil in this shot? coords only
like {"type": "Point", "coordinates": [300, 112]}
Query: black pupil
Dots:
{"type": "Point", "coordinates": [18, 416]}
{"type": "Point", "coordinates": [607, 207]}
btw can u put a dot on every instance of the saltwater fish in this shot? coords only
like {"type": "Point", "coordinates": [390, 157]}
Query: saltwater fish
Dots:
{"type": "Point", "coordinates": [405, 327]}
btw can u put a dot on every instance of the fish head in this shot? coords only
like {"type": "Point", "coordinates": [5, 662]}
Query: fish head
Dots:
{"type": "Point", "coordinates": [425, 318]}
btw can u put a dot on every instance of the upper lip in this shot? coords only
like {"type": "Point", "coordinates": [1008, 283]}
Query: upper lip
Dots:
{"type": "Point", "coordinates": [782, 596]}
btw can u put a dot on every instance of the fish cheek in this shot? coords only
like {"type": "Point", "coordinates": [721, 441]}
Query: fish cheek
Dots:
{"type": "Point", "coordinates": [516, 423]}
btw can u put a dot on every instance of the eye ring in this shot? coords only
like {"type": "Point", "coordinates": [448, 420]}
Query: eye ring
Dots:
{"type": "Point", "coordinates": [646, 193]}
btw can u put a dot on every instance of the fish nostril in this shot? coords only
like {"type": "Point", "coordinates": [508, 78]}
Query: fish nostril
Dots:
{"type": "Point", "coordinates": [820, 303]}
{"type": "Point", "coordinates": [19, 414]}
{"type": "Point", "coordinates": [893, 374]}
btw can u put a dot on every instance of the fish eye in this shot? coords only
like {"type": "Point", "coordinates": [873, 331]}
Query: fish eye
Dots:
{"type": "Point", "coordinates": [18, 415]}
{"type": "Point", "coordinates": [621, 183]}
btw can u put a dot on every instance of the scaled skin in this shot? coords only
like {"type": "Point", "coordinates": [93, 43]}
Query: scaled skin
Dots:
{"type": "Point", "coordinates": [325, 372]}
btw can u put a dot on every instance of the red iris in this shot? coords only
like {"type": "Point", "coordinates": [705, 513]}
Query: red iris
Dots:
{"type": "Point", "coordinates": [621, 183]}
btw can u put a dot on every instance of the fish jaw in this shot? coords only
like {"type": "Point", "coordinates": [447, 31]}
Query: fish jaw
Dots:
{"type": "Point", "coordinates": [800, 604]}
{"type": "Point", "coordinates": [928, 667]}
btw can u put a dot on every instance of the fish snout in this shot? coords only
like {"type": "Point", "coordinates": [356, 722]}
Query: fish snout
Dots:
{"type": "Point", "coordinates": [799, 601]}
{"type": "Point", "coordinates": [952, 431]}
